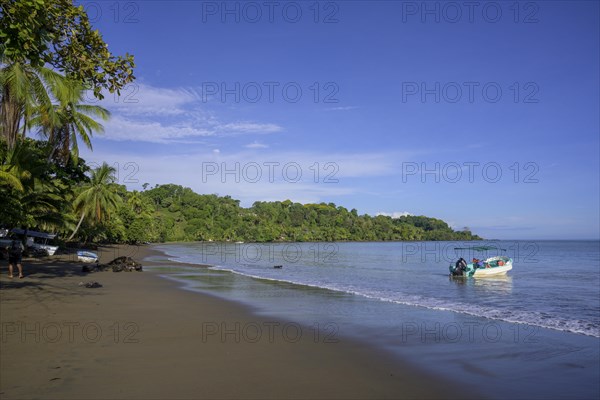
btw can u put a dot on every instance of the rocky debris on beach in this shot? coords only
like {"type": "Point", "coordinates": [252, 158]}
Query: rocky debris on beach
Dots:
{"type": "Point", "coordinates": [119, 264]}
{"type": "Point", "coordinates": [90, 285]}
{"type": "Point", "coordinates": [124, 264]}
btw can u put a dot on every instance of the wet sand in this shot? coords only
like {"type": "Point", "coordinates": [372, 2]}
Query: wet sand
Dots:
{"type": "Point", "coordinates": [140, 336]}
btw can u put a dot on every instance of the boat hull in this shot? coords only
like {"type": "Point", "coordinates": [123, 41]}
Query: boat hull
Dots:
{"type": "Point", "coordinates": [495, 271]}
{"type": "Point", "coordinates": [87, 257]}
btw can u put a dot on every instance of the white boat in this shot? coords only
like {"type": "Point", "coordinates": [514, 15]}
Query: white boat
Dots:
{"type": "Point", "coordinates": [87, 256]}
{"type": "Point", "coordinates": [491, 266]}
{"type": "Point", "coordinates": [38, 240]}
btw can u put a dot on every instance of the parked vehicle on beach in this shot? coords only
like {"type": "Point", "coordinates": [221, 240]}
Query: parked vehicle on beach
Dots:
{"type": "Point", "coordinates": [37, 241]}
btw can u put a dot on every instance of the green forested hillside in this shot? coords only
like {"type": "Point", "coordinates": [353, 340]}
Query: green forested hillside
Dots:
{"type": "Point", "coordinates": [175, 213]}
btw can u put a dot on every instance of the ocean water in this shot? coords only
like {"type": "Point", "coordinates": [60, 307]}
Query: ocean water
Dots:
{"type": "Point", "coordinates": [542, 320]}
{"type": "Point", "coordinates": [554, 284]}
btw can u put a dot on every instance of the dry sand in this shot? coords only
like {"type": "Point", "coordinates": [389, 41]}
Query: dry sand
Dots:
{"type": "Point", "coordinates": [139, 336]}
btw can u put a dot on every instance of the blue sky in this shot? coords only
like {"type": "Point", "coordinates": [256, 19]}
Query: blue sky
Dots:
{"type": "Point", "coordinates": [486, 117]}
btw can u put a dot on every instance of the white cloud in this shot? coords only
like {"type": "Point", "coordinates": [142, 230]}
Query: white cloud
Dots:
{"type": "Point", "coordinates": [119, 128]}
{"type": "Point", "coordinates": [395, 214]}
{"type": "Point", "coordinates": [138, 99]}
{"type": "Point", "coordinates": [150, 114]}
{"type": "Point", "coordinates": [256, 145]}
{"type": "Point", "coordinates": [248, 127]}
{"type": "Point", "coordinates": [342, 108]}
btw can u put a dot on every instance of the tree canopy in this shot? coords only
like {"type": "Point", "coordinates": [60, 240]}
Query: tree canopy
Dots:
{"type": "Point", "coordinates": [58, 34]}
{"type": "Point", "coordinates": [49, 57]}
{"type": "Point", "coordinates": [180, 214]}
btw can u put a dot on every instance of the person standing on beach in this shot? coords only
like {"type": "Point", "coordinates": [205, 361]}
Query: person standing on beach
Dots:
{"type": "Point", "coordinates": [15, 256]}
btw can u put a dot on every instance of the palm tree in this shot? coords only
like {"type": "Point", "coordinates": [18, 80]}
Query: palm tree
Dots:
{"type": "Point", "coordinates": [18, 166]}
{"type": "Point", "coordinates": [64, 122]}
{"type": "Point", "coordinates": [134, 199]}
{"type": "Point", "coordinates": [34, 200]}
{"type": "Point", "coordinates": [8, 177]}
{"type": "Point", "coordinates": [97, 198]}
{"type": "Point", "coordinates": [43, 208]}
{"type": "Point", "coordinates": [22, 89]}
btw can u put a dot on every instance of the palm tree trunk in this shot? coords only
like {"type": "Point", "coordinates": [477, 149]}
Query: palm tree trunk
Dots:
{"type": "Point", "coordinates": [10, 113]}
{"type": "Point", "coordinates": [77, 227]}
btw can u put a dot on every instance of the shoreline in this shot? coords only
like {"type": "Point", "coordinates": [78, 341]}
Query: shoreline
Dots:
{"type": "Point", "coordinates": [142, 336]}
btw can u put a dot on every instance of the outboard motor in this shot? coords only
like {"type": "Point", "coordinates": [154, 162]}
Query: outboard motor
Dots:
{"type": "Point", "coordinates": [459, 267]}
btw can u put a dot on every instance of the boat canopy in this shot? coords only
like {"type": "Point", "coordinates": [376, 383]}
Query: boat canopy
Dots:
{"type": "Point", "coordinates": [479, 248]}
{"type": "Point", "coordinates": [34, 233]}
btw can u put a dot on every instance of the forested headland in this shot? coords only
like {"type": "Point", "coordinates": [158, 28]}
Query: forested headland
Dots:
{"type": "Point", "coordinates": [180, 214]}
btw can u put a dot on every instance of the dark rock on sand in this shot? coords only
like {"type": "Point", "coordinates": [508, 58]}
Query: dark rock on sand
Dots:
{"type": "Point", "coordinates": [90, 285]}
{"type": "Point", "coordinates": [87, 268]}
{"type": "Point", "coordinates": [124, 264]}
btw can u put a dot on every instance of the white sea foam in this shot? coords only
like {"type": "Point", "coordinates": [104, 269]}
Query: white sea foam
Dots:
{"type": "Point", "coordinates": [512, 316]}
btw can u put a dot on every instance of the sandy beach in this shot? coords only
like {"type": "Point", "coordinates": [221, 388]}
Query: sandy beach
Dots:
{"type": "Point", "coordinates": [140, 336]}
